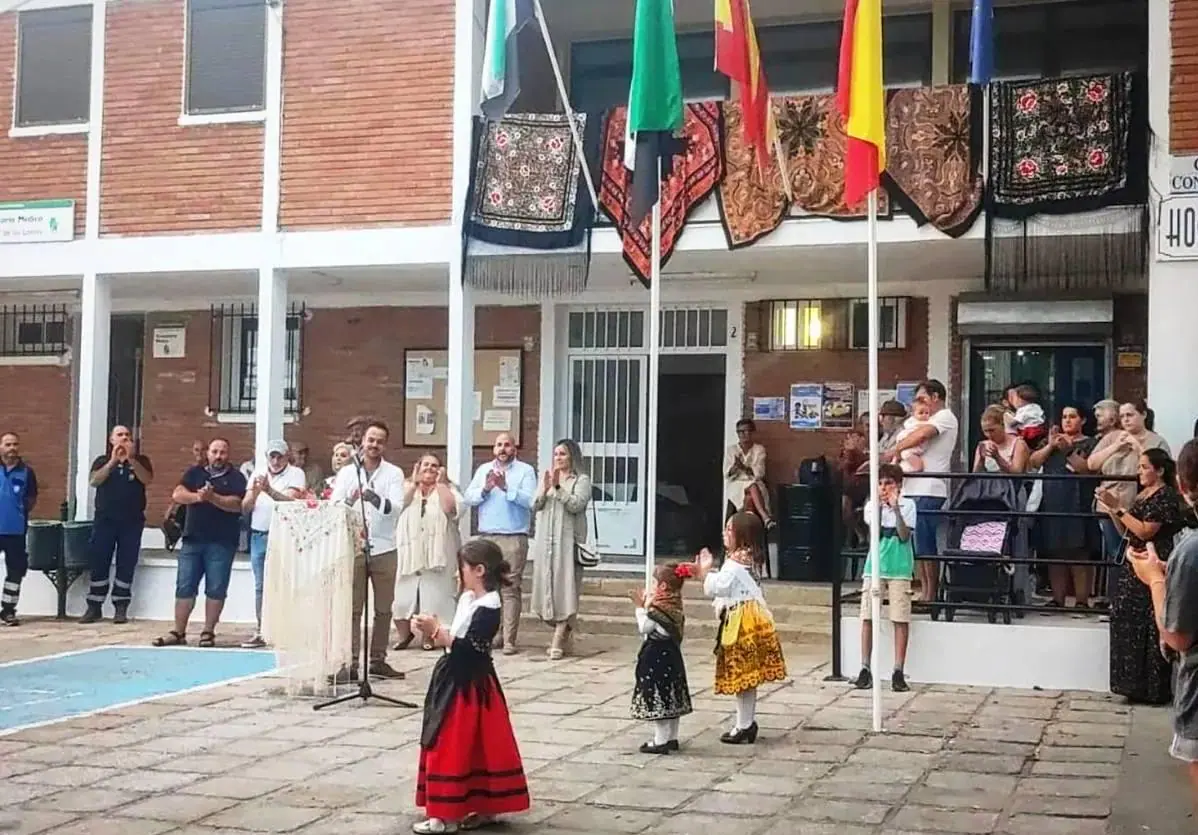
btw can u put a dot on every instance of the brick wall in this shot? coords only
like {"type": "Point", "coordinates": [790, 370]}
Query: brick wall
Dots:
{"type": "Point", "coordinates": [159, 177]}
{"type": "Point", "coordinates": [352, 364]}
{"type": "Point", "coordinates": [367, 124]}
{"type": "Point", "coordinates": [44, 393]}
{"type": "Point", "coordinates": [36, 168]}
{"type": "Point", "coordinates": [1131, 329]}
{"type": "Point", "coordinates": [1183, 94]}
{"type": "Point", "coordinates": [770, 374]}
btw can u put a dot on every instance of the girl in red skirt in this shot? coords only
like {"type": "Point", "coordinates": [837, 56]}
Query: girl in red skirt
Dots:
{"type": "Point", "coordinates": [470, 766]}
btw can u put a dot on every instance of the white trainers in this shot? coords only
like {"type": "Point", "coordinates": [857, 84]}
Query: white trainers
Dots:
{"type": "Point", "coordinates": [253, 642]}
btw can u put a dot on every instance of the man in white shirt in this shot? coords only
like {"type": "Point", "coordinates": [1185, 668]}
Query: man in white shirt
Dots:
{"type": "Point", "coordinates": [375, 484]}
{"type": "Point", "coordinates": [503, 491]}
{"type": "Point", "coordinates": [278, 482]}
{"type": "Point", "coordinates": [939, 439]}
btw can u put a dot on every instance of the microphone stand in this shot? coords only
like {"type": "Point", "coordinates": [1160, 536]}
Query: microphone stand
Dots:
{"type": "Point", "coordinates": [365, 691]}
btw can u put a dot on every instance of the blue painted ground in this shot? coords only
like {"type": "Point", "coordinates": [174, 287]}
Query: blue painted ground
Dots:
{"type": "Point", "coordinates": [48, 689]}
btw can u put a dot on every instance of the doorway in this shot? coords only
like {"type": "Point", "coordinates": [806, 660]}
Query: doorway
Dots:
{"type": "Point", "coordinates": [690, 453]}
{"type": "Point", "coordinates": [125, 372]}
{"type": "Point", "coordinates": [1067, 374]}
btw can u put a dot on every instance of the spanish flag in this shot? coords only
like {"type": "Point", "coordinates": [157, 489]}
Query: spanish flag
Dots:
{"type": "Point", "coordinates": [738, 57]}
{"type": "Point", "coordinates": [861, 99]}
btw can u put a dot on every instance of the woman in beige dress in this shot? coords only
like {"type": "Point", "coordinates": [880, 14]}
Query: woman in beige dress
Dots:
{"type": "Point", "coordinates": [561, 523]}
{"type": "Point", "coordinates": [427, 541]}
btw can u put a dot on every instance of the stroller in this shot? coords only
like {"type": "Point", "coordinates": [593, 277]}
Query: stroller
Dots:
{"type": "Point", "coordinates": [979, 534]}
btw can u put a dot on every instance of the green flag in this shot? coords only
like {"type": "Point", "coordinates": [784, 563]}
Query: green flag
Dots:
{"type": "Point", "coordinates": [655, 110]}
{"type": "Point", "coordinates": [501, 62]}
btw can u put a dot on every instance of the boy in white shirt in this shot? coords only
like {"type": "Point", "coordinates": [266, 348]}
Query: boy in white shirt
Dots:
{"type": "Point", "coordinates": [896, 555]}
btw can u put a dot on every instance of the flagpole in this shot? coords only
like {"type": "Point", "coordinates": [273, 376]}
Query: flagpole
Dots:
{"type": "Point", "coordinates": [654, 366]}
{"type": "Point", "coordinates": [561, 91]}
{"type": "Point", "coordinates": [874, 451]}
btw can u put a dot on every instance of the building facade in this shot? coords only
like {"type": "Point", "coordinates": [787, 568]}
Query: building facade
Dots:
{"type": "Point", "coordinates": [213, 193]}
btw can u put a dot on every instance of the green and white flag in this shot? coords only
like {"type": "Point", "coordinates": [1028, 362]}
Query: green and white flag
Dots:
{"type": "Point", "coordinates": [501, 65]}
{"type": "Point", "coordinates": [655, 109]}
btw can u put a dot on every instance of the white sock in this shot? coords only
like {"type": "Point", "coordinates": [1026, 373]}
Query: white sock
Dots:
{"type": "Point", "coordinates": [661, 731]}
{"type": "Point", "coordinates": [673, 730]}
{"type": "Point", "coordinates": [746, 709]}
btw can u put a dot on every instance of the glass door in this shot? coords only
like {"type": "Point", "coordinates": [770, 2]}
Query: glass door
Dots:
{"type": "Point", "coordinates": [1066, 374]}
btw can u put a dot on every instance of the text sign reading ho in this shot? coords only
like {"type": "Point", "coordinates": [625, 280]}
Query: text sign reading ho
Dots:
{"type": "Point", "coordinates": [1177, 230]}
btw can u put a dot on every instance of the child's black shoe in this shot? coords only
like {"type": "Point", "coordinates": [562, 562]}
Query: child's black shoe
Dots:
{"type": "Point", "coordinates": [898, 682]}
{"type": "Point", "coordinates": [865, 679]}
{"type": "Point", "coordinates": [651, 748]}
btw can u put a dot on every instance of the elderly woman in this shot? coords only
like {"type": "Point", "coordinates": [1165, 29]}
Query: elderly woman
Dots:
{"type": "Point", "coordinates": [342, 453]}
{"type": "Point", "coordinates": [427, 541]}
{"type": "Point", "coordinates": [561, 524]}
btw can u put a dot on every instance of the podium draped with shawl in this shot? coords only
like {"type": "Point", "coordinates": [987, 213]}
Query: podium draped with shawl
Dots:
{"type": "Point", "coordinates": [308, 595]}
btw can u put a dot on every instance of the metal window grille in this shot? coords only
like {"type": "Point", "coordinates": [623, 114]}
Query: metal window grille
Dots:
{"type": "Point", "coordinates": [694, 328]}
{"type": "Point", "coordinates": [34, 330]}
{"type": "Point", "coordinates": [234, 382]}
{"type": "Point", "coordinates": [892, 323]}
{"type": "Point", "coordinates": [796, 325]}
{"type": "Point", "coordinates": [601, 329]}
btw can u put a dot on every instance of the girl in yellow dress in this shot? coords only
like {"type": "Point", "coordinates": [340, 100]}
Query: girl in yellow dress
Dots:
{"type": "Point", "coordinates": [747, 652]}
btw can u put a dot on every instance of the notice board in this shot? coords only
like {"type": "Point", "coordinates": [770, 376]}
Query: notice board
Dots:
{"type": "Point", "coordinates": [497, 403]}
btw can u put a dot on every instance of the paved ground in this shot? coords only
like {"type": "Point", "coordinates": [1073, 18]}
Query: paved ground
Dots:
{"type": "Point", "coordinates": [246, 759]}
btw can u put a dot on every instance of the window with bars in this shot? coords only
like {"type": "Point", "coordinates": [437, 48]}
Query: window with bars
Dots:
{"type": "Point", "coordinates": [892, 324]}
{"type": "Point", "coordinates": [34, 330]}
{"type": "Point", "coordinates": [694, 328]}
{"type": "Point", "coordinates": [593, 329]}
{"type": "Point", "coordinates": [796, 325]}
{"type": "Point", "coordinates": [226, 57]}
{"type": "Point", "coordinates": [234, 386]}
{"type": "Point", "coordinates": [834, 324]}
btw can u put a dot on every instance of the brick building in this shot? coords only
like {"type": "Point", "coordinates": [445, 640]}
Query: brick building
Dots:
{"type": "Point", "coordinates": [273, 192]}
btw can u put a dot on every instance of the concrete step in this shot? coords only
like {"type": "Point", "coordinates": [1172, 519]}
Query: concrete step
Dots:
{"type": "Point", "coordinates": [776, 592]}
{"type": "Point", "coordinates": [697, 629]}
{"type": "Point", "coordinates": [698, 609]}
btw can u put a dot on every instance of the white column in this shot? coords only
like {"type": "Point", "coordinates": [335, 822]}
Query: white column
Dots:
{"type": "Point", "coordinates": [91, 430]}
{"type": "Point", "coordinates": [272, 359]}
{"type": "Point", "coordinates": [469, 31]}
{"type": "Point", "coordinates": [547, 421]}
{"type": "Point", "coordinates": [95, 133]}
{"type": "Point", "coordinates": [1172, 290]}
{"type": "Point", "coordinates": [940, 336]}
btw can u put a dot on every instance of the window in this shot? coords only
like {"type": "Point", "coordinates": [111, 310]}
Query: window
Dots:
{"type": "Point", "coordinates": [607, 329]}
{"type": "Point", "coordinates": [892, 323]}
{"type": "Point", "coordinates": [601, 72]}
{"type": "Point", "coordinates": [54, 49]}
{"type": "Point", "coordinates": [796, 325]}
{"type": "Point", "coordinates": [226, 57]}
{"type": "Point", "coordinates": [1048, 40]}
{"type": "Point", "coordinates": [235, 359]}
{"type": "Point", "coordinates": [33, 330]}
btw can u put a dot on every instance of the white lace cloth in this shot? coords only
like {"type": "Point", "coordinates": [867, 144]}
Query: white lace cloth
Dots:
{"type": "Point", "coordinates": [308, 595]}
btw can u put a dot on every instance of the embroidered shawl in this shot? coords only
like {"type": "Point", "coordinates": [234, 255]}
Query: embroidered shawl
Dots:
{"type": "Point", "coordinates": [668, 613]}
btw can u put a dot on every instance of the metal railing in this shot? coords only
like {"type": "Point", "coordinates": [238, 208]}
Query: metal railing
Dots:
{"type": "Point", "coordinates": [847, 560]}
{"type": "Point", "coordinates": [233, 386]}
{"type": "Point", "coordinates": [34, 330]}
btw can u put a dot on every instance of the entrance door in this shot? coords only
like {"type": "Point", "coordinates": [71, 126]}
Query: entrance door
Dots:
{"type": "Point", "coordinates": [607, 395]}
{"type": "Point", "coordinates": [126, 344]}
{"type": "Point", "coordinates": [1066, 374]}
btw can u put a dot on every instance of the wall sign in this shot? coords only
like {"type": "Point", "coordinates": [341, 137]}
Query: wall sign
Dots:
{"type": "Point", "coordinates": [1183, 175]}
{"type": "Point", "coordinates": [170, 342]}
{"type": "Point", "coordinates": [37, 222]}
{"type": "Point", "coordinates": [1177, 228]}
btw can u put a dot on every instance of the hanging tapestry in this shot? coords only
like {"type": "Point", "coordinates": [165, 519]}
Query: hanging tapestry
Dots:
{"type": "Point", "coordinates": [690, 184]}
{"type": "Point", "coordinates": [933, 156]}
{"type": "Point", "coordinates": [528, 226]}
{"type": "Point", "coordinates": [811, 130]}
{"type": "Point", "coordinates": [1067, 145]}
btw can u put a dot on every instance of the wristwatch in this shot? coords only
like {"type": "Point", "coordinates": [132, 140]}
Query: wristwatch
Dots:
{"type": "Point", "coordinates": [1119, 513]}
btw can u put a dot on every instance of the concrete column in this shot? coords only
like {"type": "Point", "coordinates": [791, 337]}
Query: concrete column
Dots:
{"type": "Point", "coordinates": [469, 35]}
{"type": "Point", "coordinates": [272, 359]}
{"type": "Point", "coordinates": [91, 419]}
{"type": "Point", "coordinates": [547, 421]}
{"type": "Point", "coordinates": [940, 337]}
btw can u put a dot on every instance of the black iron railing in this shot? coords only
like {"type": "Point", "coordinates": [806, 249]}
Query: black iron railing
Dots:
{"type": "Point", "coordinates": [34, 330]}
{"type": "Point", "coordinates": [233, 386]}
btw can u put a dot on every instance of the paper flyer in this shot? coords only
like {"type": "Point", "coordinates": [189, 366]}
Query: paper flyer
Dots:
{"type": "Point", "coordinates": [806, 405]}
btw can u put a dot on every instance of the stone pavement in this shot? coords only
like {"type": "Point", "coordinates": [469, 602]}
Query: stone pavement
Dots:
{"type": "Point", "coordinates": [245, 758]}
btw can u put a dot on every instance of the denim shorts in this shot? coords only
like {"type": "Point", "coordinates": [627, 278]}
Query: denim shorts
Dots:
{"type": "Point", "coordinates": [927, 525]}
{"type": "Point", "coordinates": [209, 561]}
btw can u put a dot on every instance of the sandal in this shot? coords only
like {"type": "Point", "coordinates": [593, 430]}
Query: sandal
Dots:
{"type": "Point", "coordinates": [433, 826]}
{"type": "Point", "coordinates": [207, 639]}
{"type": "Point", "coordinates": [427, 647]}
{"type": "Point", "coordinates": [473, 821]}
{"type": "Point", "coordinates": [170, 639]}
{"type": "Point", "coordinates": [405, 643]}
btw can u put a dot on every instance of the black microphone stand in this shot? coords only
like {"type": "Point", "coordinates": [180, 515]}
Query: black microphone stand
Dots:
{"type": "Point", "coordinates": [365, 691]}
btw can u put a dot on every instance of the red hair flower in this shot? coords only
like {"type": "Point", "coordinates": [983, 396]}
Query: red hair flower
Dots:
{"type": "Point", "coordinates": [684, 571]}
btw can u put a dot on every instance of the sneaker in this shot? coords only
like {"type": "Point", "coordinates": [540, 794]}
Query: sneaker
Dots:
{"type": "Point", "coordinates": [865, 679]}
{"type": "Point", "coordinates": [253, 642]}
{"type": "Point", "coordinates": [8, 617]}
{"type": "Point", "coordinates": [93, 614]}
{"type": "Point", "coordinates": [898, 682]}
{"type": "Point", "coordinates": [381, 669]}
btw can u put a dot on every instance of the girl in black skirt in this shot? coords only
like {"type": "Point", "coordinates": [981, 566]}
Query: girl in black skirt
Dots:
{"type": "Point", "coordinates": [661, 694]}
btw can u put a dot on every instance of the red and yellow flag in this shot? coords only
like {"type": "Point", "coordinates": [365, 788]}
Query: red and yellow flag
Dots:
{"type": "Point", "coordinates": [861, 99]}
{"type": "Point", "coordinates": [738, 57]}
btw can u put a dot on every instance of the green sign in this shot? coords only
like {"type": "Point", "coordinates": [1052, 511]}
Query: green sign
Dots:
{"type": "Point", "coordinates": [37, 222]}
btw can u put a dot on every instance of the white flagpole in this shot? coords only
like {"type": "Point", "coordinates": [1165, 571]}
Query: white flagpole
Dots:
{"type": "Point", "coordinates": [654, 365]}
{"type": "Point", "coordinates": [561, 91]}
{"type": "Point", "coordinates": [874, 451]}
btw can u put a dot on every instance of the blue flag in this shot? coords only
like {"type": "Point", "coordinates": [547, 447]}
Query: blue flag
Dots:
{"type": "Point", "coordinates": [981, 43]}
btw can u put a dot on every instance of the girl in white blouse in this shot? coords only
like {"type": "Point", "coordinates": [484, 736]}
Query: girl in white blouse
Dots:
{"type": "Point", "coordinates": [748, 652]}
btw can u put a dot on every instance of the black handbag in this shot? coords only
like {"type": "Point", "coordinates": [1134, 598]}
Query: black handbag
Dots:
{"type": "Point", "coordinates": [587, 556]}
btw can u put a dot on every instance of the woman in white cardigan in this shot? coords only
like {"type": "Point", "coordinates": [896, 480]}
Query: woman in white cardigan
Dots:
{"type": "Point", "coordinates": [427, 541]}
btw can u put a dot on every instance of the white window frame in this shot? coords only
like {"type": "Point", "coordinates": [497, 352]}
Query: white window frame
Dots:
{"type": "Point", "coordinates": [17, 131]}
{"type": "Point", "coordinates": [232, 331]}
{"type": "Point", "coordinates": [228, 117]}
{"type": "Point", "coordinates": [790, 333]}
{"type": "Point", "coordinates": [895, 341]}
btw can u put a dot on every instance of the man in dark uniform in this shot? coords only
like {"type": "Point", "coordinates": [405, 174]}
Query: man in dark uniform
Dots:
{"type": "Point", "coordinates": [120, 479]}
{"type": "Point", "coordinates": [18, 495]}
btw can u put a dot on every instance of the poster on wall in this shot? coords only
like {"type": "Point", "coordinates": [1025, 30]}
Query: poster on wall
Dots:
{"type": "Point", "coordinates": [806, 405]}
{"type": "Point", "coordinates": [769, 408]}
{"type": "Point", "coordinates": [905, 394]}
{"type": "Point", "coordinates": [883, 396]}
{"type": "Point", "coordinates": [838, 406]}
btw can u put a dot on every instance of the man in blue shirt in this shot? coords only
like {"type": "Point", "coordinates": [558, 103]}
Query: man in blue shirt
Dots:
{"type": "Point", "coordinates": [120, 479]}
{"type": "Point", "coordinates": [212, 493]}
{"type": "Point", "coordinates": [503, 491]}
{"type": "Point", "coordinates": [18, 495]}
